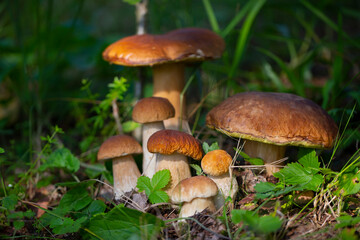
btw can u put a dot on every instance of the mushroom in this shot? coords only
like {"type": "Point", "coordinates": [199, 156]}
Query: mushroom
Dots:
{"type": "Point", "coordinates": [167, 54]}
{"type": "Point", "coordinates": [151, 112]}
{"type": "Point", "coordinates": [120, 148]}
{"type": "Point", "coordinates": [271, 121]}
{"type": "Point", "coordinates": [217, 164]}
{"type": "Point", "coordinates": [196, 193]}
{"type": "Point", "coordinates": [172, 148]}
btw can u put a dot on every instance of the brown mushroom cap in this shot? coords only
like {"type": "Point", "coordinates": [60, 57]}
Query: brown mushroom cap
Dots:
{"type": "Point", "coordinates": [152, 109]}
{"type": "Point", "coordinates": [194, 187]}
{"type": "Point", "coordinates": [275, 118]}
{"type": "Point", "coordinates": [216, 162]}
{"type": "Point", "coordinates": [187, 44]}
{"type": "Point", "coordinates": [118, 146]}
{"type": "Point", "coordinates": [172, 141]}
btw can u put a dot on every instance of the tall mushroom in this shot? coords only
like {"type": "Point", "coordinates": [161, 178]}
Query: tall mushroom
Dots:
{"type": "Point", "coordinates": [271, 121]}
{"type": "Point", "coordinates": [196, 193]}
{"type": "Point", "coordinates": [172, 148]}
{"type": "Point", "coordinates": [217, 164]}
{"type": "Point", "coordinates": [120, 148]}
{"type": "Point", "coordinates": [151, 112]}
{"type": "Point", "coordinates": [167, 54]}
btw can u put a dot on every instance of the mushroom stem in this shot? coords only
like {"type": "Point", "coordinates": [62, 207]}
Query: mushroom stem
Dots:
{"type": "Point", "coordinates": [169, 81]}
{"type": "Point", "coordinates": [126, 173]}
{"type": "Point", "coordinates": [197, 205]}
{"type": "Point", "coordinates": [227, 187]}
{"type": "Point", "coordinates": [268, 152]}
{"type": "Point", "coordinates": [178, 166]}
{"type": "Point", "coordinates": [149, 159]}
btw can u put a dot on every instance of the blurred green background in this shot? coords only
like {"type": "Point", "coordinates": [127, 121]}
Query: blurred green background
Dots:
{"type": "Point", "coordinates": [52, 72]}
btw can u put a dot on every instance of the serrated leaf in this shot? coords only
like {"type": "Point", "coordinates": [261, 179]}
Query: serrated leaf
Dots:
{"type": "Point", "coordinates": [160, 179]}
{"type": "Point", "coordinates": [309, 160]}
{"type": "Point", "coordinates": [347, 221]}
{"type": "Point", "coordinates": [66, 225]}
{"type": "Point", "coordinates": [96, 207]}
{"type": "Point", "coordinates": [125, 223]}
{"type": "Point", "coordinates": [9, 202]}
{"type": "Point", "coordinates": [62, 158]}
{"type": "Point", "coordinates": [158, 197]}
{"type": "Point", "coordinates": [29, 214]}
{"type": "Point", "coordinates": [75, 199]}
{"type": "Point", "coordinates": [268, 224]}
{"type": "Point", "coordinates": [207, 148]}
{"type": "Point", "coordinates": [197, 168]}
{"type": "Point", "coordinates": [263, 187]}
{"type": "Point", "coordinates": [144, 184]}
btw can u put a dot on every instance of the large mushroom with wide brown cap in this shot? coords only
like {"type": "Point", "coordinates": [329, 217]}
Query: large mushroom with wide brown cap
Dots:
{"type": "Point", "coordinates": [172, 148]}
{"type": "Point", "coordinates": [120, 148]}
{"type": "Point", "coordinates": [151, 112]}
{"type": "Point", "coordinates": [271, 121]}
{"type": "Point", "coordinates": [196, 194]}
{"type": "Point", "coordinates": [217, 164]}
{"type": "Point", "coordinates": [167, 54]}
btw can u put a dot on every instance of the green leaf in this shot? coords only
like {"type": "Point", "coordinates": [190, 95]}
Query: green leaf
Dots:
{"type": "Point", "coordinates": [96, 207]}
{"type": "Point", "coordinates": [144, 184]}
{"type": "Point", "coordinates": [263, 224]}
{"type": "Point", "coordinates": [132, 2]}
{"type": "Point", "coordinates": [2, 150]}
{"type": "Point", "coordinates": [347, 221]}
{"type": "Point", "coordinates": [349, 183]}
{"type": "Point", "coordinates": [266, 189]}
{"type": "Point", "coordinates": [158, 197]}
{"type": "Point", "coordinates": [18, 225]}
{"type": "Point", "coordinates": [62, 158]}
{"type": "Point", "coordinates": [160, 179]}
{"type": "Point", "coordinates": [308, 158]}
{"type": "Point", "coordinates": [16, 215]}
{"type": "Point", "coordinates": [198, 169]}
{"type": "Point", "coordinates": [125, 223]}
{"type": "Point", "coordinates": [253, 161]}
{"type": "Point", "coordinates": [207, 148]}
{"type": "Point", "coordinates": [75, 199]}
{"type": "Point", "coordinates": [66, 225]}
{"type": "Point", "coordinates": [10, 202]}
{"type": "Point", "coordinates": [130, 126]}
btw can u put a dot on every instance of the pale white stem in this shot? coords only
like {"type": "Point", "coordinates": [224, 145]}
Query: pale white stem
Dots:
{"type": "Point", "coordinates": [125, 173]}
{"type": "Point", "coordinates": [149, 159]}
{"type": "Point", "coordinates": [227, 186]}
{"type": "Point", "coordinates": [178, 166]}
{"type": "Point", "coordinates": [188, 209]}
{"type": "Point", "coordinates": [268, 152]}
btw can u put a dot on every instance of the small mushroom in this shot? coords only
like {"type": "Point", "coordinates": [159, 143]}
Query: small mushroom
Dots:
{"type": "Point", "coordinates": [217, 164]}
{"type": "Point", "coordinates": [151, 112]}
{"type": "Point", "coordinates": [120, 148]}
{"type": "Point", "coordinates": [196, 194]}
{"type": "Point", "coordinates": [167, 54]}
{"type": "Point", "coordinates": [172, 148]}
{"type": "Point", "coordinates": [271, 121]}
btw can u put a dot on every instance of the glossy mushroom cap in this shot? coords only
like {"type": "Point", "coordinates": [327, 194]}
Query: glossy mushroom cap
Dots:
{"type": "Point", "coordinates": [275, 118]}
{"type": "Point", "coordinates": [172, 141]}
{"type": "Point", "coordinates": [152, 109]}
{"type": "Point", "coordinates": [187, 44]}
{"type": "Point", "coordinates": [216, 162]}
{"type": "Point", "coordinates": [118, 146]}
{"type": "Point", "coordinates": [194, 187]}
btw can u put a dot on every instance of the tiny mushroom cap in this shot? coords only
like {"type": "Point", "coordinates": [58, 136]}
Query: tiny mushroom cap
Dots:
{"type": "Point", "coordinates": [217, 164]}
{"type": "Point", "coordinates": [279, 119]}
{"type": "Point", "coordinates": [151, 112]}
{"type": "Point", "coordinates": [152, 109]}
{"type": "Point", "coordinates": [120, 148]}
{"type": "Point", "coordinates": [196, 193]}
{"type": "Point", "coordinates": [167, 54]}
{"type": "Point", "coordinates": [172, 148]}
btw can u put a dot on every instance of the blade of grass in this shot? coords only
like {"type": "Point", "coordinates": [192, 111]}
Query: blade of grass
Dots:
{"type": "Point", "coordinates": [238, 17]}
{"type": "Point", "coordinates": [244, 36]}
{"type": "Point", "coordinates": [298, 86]}
{"type": "Point", "coordinates": [211, 16]}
